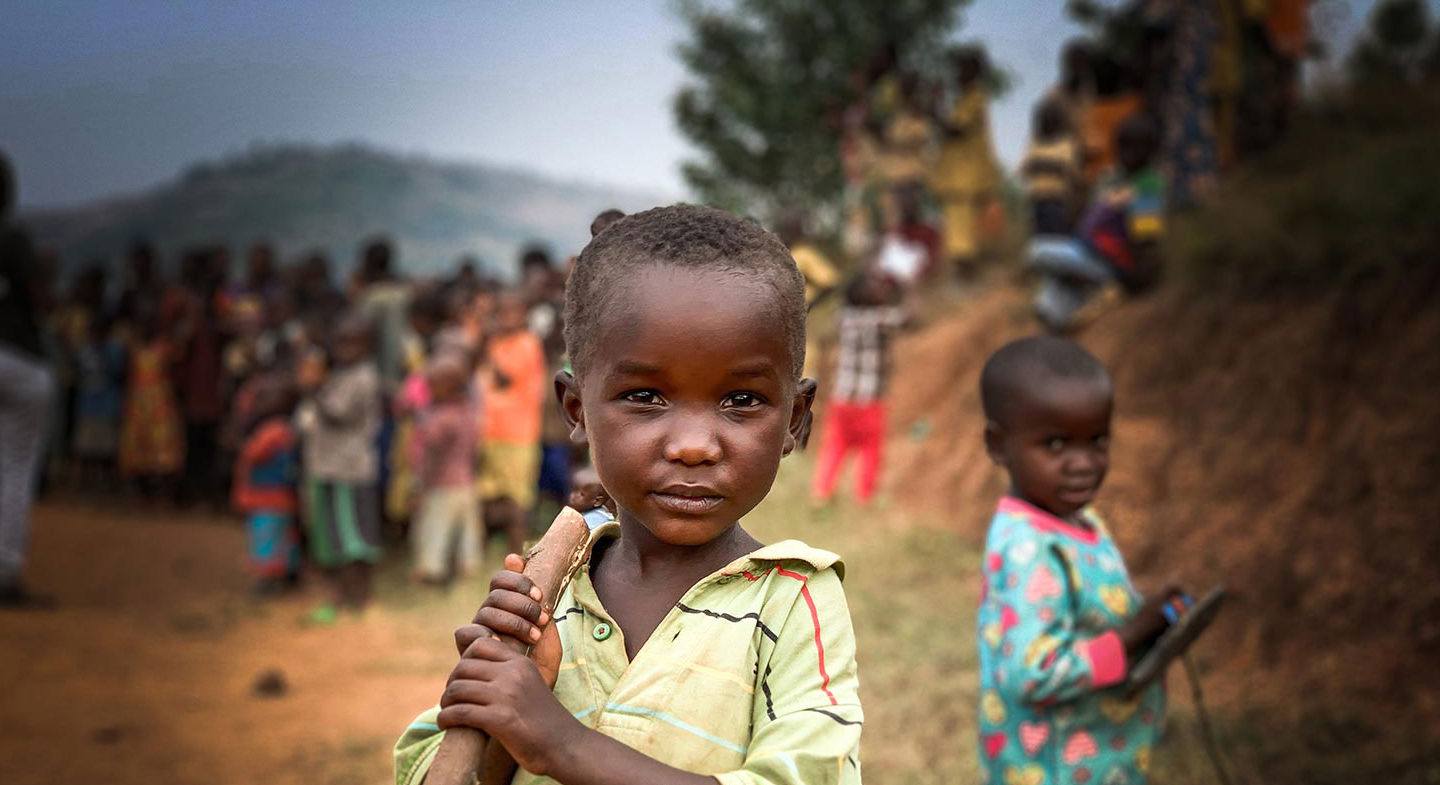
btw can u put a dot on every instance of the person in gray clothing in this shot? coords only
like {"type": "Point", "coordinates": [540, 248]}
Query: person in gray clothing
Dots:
{"type": "Point", "coordinates": [26, 389]}
{"type": "Point", "coordinates": [338, 422]}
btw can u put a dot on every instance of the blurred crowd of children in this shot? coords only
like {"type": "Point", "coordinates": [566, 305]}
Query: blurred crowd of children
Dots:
{"type": "Point", "coordinates": [337, 421]}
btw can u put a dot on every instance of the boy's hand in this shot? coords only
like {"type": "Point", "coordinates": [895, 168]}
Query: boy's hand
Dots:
{"type": "Point", "coordinates": [1147, 624]}
{"type": "Point", "coordinates": [502, 692]}
{"type": "Point", "coordinates": [513, 611]}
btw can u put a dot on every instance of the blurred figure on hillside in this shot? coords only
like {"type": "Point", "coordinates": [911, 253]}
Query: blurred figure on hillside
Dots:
{"type": "Point", "coordinates": [317, 300]}
{"type": "Point", "coordinates": [820, 275]}
{"type": "Point", "coordinates": [338, 420]}
{"type": "Point", "coordinates": [543, 288]}
{"type": "Point", "coordinates": [855, 416]}
{"type": "Point", "coordinates": [27, 391]}
{"type": "Point", "coordinates": [906, 155]}
{"type": "Point", "coordinates": [966, 176]}
{"type": "Point", "coordinates": [99, 395]}
{"type": "Point", "coordinates": [262, 282]}
{"type": "Point", "coordinates": [267, 472]}
{"type": "Point", "coordinates": [152, 437]}
{"type": "Point", "coordinates": [1183, 60]}
{"type": "Point", "coordinates": [199, 370]}
{"type": "Point", "coordinates": [1050, 171]}
{"type": "Point", "coordinates": [513, 385]}
{"type": "Point", "coordinates": [427, 317]}
{"type": "Point", "coordinates": [912, 250]}
{"type": "Point", "coordinates": [1118, 238]}
{"type": "Point", "coordinates": [141, 291]}
{"type": "Point", "coordinates": [443, 450]}
{"type": "Point", "coordinates": [385, 298]}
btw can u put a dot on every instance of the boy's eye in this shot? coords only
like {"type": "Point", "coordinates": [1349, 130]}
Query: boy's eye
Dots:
{"type": "Point", "coordinates": [1103, 442]}
{"type": "Point", "coordinates": [742, 400]}
{"type": "Point", "coordinates": [1055, 444]}
{"type": "Point", "coordinates": [642, 397]}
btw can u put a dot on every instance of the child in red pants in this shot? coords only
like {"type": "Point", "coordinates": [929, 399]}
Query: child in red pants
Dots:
{"type": "Point", "coordinates": [855, 417]}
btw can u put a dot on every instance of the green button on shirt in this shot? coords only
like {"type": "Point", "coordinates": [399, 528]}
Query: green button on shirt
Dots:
{"type": "Point", "coordinates": [750, 678]}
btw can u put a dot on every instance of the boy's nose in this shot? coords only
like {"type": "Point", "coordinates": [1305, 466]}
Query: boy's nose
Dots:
{"type": "Point", "coordinates": [693, 446]}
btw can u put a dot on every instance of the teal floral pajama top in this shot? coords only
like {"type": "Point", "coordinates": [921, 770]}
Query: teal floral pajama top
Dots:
{"type": "Point", "coordinates": [1050, 657]}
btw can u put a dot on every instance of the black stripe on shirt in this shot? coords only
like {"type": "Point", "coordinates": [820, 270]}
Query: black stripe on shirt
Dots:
{"type": "Point", "coordinates": [769, 633]}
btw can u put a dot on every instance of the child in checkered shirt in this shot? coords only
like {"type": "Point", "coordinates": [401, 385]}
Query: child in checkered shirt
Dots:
{"type": "Point", "coordinates": [855, 416]}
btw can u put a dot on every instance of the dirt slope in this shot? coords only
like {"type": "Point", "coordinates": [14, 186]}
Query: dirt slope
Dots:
{"type": "Point", "coordinates": [1287, 447]}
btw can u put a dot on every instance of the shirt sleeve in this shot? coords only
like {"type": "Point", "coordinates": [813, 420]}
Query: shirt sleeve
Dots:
{"type": "Point", "coordinates": [1042, 656]}
{"type": "Point", "coordinates": [807, 715]}
{"type": "Point", "coordinates": [417, 747]}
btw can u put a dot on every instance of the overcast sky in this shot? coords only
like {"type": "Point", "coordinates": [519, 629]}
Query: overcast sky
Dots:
{"type": "Point", "coordinates": [102, 98]}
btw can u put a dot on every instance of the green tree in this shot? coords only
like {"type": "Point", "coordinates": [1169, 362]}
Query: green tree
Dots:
{"type": "Point", "coordinates": [768, 80]}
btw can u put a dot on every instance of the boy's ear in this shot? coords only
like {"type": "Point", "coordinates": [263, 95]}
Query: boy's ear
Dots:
{"type": "Point", "coordinates": [994, 437]}
{"type": "Point", "coordinates": [798, 432]}
{"type": "Point", "coordinates": [567, 394]}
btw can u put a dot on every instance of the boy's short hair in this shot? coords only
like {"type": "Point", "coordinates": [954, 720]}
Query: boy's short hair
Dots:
{"type": "Point", "coordinates": [681, 235]}
{"type": "Point", "coordinates": [1020, 365]}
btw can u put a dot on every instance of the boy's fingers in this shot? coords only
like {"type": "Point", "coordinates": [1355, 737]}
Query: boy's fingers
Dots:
{"type": "Point", "coordinates": [504, 622]}
{"type": "Point", "coordinates": [512, 580]}
{"type": "Point", "coordinates": [466, 715]}
{"type": "Point", "coordinates": [491, 649]}
{"type": "Point", "coordinates": [468, 634]}
{"type": "Point", "coordinates": [521, 605]}
{"type": "Point", "coordinates": [513, 561]}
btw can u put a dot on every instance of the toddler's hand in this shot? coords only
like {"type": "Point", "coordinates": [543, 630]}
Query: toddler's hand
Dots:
{"type": "Point", "coordinates": [1140, 632]}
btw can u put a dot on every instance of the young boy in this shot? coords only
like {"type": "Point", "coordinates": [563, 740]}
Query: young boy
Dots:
{"type": "Point", "coordinates": [443, 448]}
{"type": "Point", "coordinates": [684, 651]}
{"type": "Point", "coordinates": [266, 471]}
{"type": "Point", "coordinates": [855, 419]}
{"type": "Point", "coordinates": [1059, 622]}
{"type": "Point", "coordinates": [339, 420]}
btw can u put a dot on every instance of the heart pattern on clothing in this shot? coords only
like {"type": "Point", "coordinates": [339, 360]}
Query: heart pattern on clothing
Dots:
{"type": "Point", "coordinates": [993, 708]}
{"type": "Point", "coordinates": [1116, 599]}
{"type": "Point", "coordinates": [1023, 553]}
{"type": "Point", "coordinates": [1042, 586]}
{"type": "Point", "coordinates": [1025, 775]}
{"type": "Point", "coordinates": [1033, 736]}
{"type": "Point", "coordinates": [994, 744]}
{"type": "Point", "coordinates": [1118, 710]}
{"type": "Point", "coordinates": [1078, 747]}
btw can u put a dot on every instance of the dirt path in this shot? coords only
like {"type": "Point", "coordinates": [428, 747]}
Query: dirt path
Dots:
{"type": "Point", "coordinates": [144, 673]}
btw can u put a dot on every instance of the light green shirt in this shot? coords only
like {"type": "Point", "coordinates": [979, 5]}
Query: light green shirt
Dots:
{"type": "Point", "coordinates": [751, 677]}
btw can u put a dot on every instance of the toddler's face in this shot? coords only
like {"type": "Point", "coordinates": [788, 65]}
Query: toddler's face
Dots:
{"type": "Point", "coordinates": [688, 401]}
{"type": "Point", "coordinates": [1056, 445]}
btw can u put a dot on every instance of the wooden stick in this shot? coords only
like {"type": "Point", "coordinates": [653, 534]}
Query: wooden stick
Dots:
{"type": "Point", "coordinates": [549, 565]}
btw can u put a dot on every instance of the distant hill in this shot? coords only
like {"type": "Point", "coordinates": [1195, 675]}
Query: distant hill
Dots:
{"type": "Point", "coordinates": [333, 198]}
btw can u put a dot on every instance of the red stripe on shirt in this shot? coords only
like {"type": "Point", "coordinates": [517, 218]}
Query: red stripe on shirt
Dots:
{"type": "Point", "coordinates": [814, 620]}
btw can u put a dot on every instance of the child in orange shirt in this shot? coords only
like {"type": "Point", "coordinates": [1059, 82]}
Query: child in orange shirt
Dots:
{"type": "Point", "coordinates": [512, 382]}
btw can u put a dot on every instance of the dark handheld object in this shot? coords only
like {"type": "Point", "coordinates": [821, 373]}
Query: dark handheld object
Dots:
{"type": "Point", "coordinates": [548, 565]}
{"type": "Point", "coordinates": [1188, 618]}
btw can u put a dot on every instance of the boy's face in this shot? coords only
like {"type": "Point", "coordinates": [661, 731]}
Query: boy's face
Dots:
{"type": "Point", "coordinates": [510, 314]}
{"type": "Point", "coordinates": [1056, 443]}
{"type": "Point", "coordinates": [688, 401]}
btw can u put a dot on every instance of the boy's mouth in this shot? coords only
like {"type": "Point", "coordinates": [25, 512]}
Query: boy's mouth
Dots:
{"type": "Point", "coordinates": [687, 499]}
